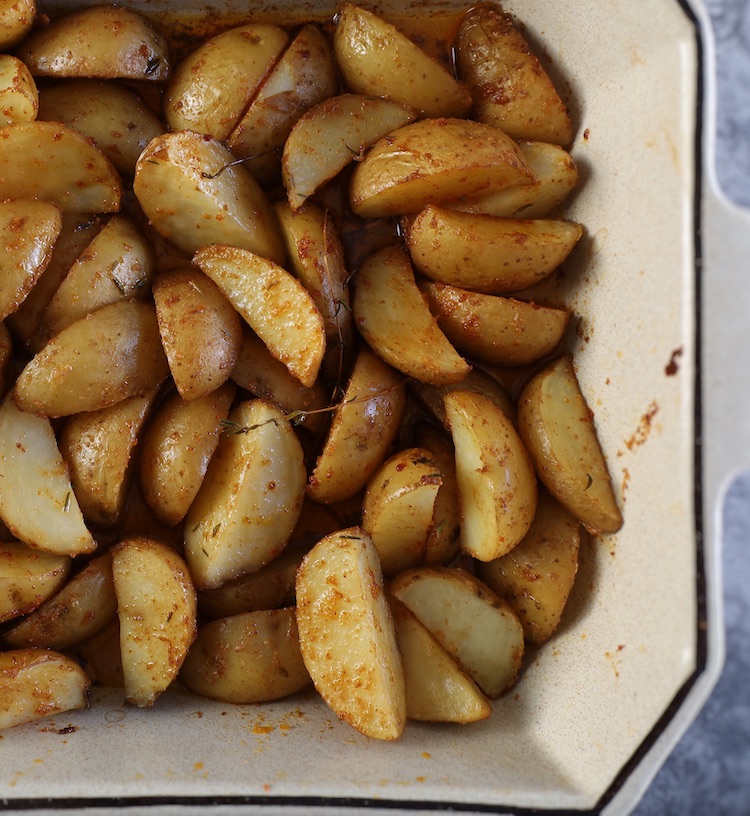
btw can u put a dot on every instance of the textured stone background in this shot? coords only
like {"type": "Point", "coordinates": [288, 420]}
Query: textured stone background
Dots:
{"type": "Point", "coordinates": [709, 773]}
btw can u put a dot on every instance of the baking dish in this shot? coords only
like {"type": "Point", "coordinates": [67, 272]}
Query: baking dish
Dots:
{"type": "Point", "coordinates": [657, 286]}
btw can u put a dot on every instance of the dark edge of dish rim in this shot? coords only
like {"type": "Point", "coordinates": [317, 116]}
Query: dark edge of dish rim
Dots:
{"type": "Point", "coordinates": [31, 804]}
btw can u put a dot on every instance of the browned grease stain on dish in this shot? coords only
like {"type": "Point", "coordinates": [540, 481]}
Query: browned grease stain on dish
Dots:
{"type": "Point", "coordinates": [672, 366]}
{"type": "Point", "coordinates": [643, 431]}
{"type": "Point", "coordinates": [615, 659]}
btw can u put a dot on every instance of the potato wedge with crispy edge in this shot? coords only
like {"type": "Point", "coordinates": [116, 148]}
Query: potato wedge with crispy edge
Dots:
{"type": "Point", "coordinates": [37, 683]}
{"type": "Point", "coordinates": [156, 606]}
{"type": "Point", "coordinates": [28, 577]}
{"type": "Point", "coordinates": [496, 330]}
{"type": "Point", "coordinates": [211, 88]}
{"type": "Point", "coordinates": [557, 427]}
{"type": "Point", "coordinates": [555, 177]}
{"type": "Point", "coordinates": [19, 97]}
{"type": "Point", "coordinates": [497, 488]}
{"type": "Point", "coordinates": [103, 42]}
{"type": "Point", "coordinates": [347, 635]}
{"type": "Point", "coordinates": [176, 447]}
{"type": "Point", "coordinates": [376, 59]}
{"type": "Point", "coordinates": [253, 657]}
{"type": "Point", "coordinates": [16, 20]}
{"type": "Point", "coordinates": [432, 161]}
{"type": "Point", "coordinates": [37, 502]}
{"type": "Point", "coordinates": [485, 253]}
{"type": "Point", "coordinates": [52, 162]}
{"type": "Point", "coordinates": [469, 621]}
{"type": "Point", "coordinates": [275, 305]}
{"type": "Point", "coordinates": [250, 499]}
{"type": "Point", "coordinates": [510, 88]}
{"type": "Point", "coordinates": [99, 448]}
{"type": "Point", "coordinates": [28, 231]}
{"type": "Point", "coordinates": [219, 201]}
{"type": "Point", "coordinates": [83, 607]}
{"type": "Point", "coordinates": [260, 373]}
{"type": "Point", "coordinates": [398, 508]}
{"type": "Point", "coordinates": [100, 657]}
{"type": "Point", "coordinates": [109, 355]}
{"type": "Point", "coordinates": [437, 688]}
{"type": "Point", "coordinates": [200, 330]}
{"type": "Point", "coordinates": [364, 426]}
{"type": "Point", "coordinates": [304, 76]}
{"type": "Point", "coordinates": [536, 577]}
{"type": "Point", "coordinates": [331, 136]}
{"type": "Point", "coordinates": [395, 320]}
{"type": "Point", "coordinates": [6, 356]}
{"type": "Point", "coordinates": [118, 264]}
{"type": "Point", "coordinates": [113, 115]}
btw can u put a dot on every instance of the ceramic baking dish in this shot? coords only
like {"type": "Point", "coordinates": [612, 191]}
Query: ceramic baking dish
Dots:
{"type": "Point", "coordinates": [656, 282]}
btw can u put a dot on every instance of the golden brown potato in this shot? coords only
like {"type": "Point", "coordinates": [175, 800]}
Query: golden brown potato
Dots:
{"type": "Point", "coordinates": [536, 577]}
{"type": "Point", "coordinates": [276, 306]}
{"type": "Point", "coordinates": [104, 42]}
{"type": "Point", "coordinates": [485, 253]}
{"type": "Point", "coordinates": [37, 502]}
{"type": "Point", "coordinates": [19, 97]}
{"type": "Point", "coordinates": [219, 201]}
{"type": "Point", "coordinates": [510, 88]}
{"type": "Point", "coordinates": [156, 607]}
{"type": "Point", "coordinates": [107, 356]}
{"type": "Point", "coordinates": [176, 448]}
{"type": "Point", "coordinates": [37, 683]}
{"type": "Point", "coordinates": [364, 425]}
{"type": "Point", "coordinates": [493, 329]}
{"type": "Point", "coordinates": [433, 161]}
{"type": "Point", "coordinates": [497, 487]}
{"type": "Point", "coordinates": [28, 577]}
{"type": "Point", "coordinates": [253, 657]}
{"type": "Point", "coordinates": [395, 320]}
{"type": "Point", "coordinates": [250, 499]}
{"type": "Point", "coordinates": [211, 88]}
{"type": "Point", "coordinates": [16, 20]}
{"type": "Point", "coordinates": [100, 657]}
{"type": "Point", "coordinates": [376, 59]}
{"type": "Point", "coordinates": [346, 630]}
{"type": "Point", "coordinates": [558, 430]}
{"type": "Point", "coordinates": [200, 330]}
{"type": "Point", "coordinates": [28, 231]}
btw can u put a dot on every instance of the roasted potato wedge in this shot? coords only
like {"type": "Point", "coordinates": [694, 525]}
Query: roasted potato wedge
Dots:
{"type": "Point", "coordinates": [386, 300]}
{"type": "Point", "coordinates": [469, 621]}
{"type": "Point", "coordinates": [273, 302]}
{"type": "Point", "coordinates": [331, 136]}
{"type": "Point", "coordinates": [28, 231]}
{"type": "Point", "coordinates": [253, 657]}
{"type": "Point", "coordinates": [100, 656]}
{"type": "Point", "coordinates": [52, 162]}
{"type": "Point", "coordinates": [37, 502]}
{"type": "Point", "coordinates": [102, 42]}
{"type": "Point", "coordinates": [250, 499]}
{"type": "Point", "coordinates": [107, 356]}
{"type": "Point", "coordinates": [19, 97]}
{"type": "Point", "coordinates": [398, 509]}
{"type": "Point", "coordinates": [28, 577]}
{"type": "Point", "coordinates": [346, 630]}
{"type": "Point", "coordinates": [377, 59]}
{"type": "Point", "coordinates": [437, 688]}
{"type": "Point", "coordinates": [496, 330]}
{"type": "Point", "coordinates": [177, 446]}
{"type": "Point", "coordinates": [219, 201]}
{"type": "Point", "coordinates": [511, 89]}
{"type": "Point", "coordinates": [557, 426]}
{"type": "Point", "coordinates": [536, 577]}
{"type": "Point", "coordinates": [211, 88]}
{"type": "Point", "coordinates": [156, 606]}
{"type": "Point", "coordinates": [485, 253]}
{"type": "Point", "coordinates": [113, 115]}
{"type": "Point", "coordinates": [16, 20]}
{"type": "Point", "coordinates": [364, 425]}
{"type": "Point", "coordinates": [200, 330]}
{"type": "Point", "coordinates": [81, 609]}
{"type": "Point", "coordinates": [38, 683]}
{"type": "Point", "coordinates": [432, 161]}
{"type": "Point", "coordinates": [497, 486]}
